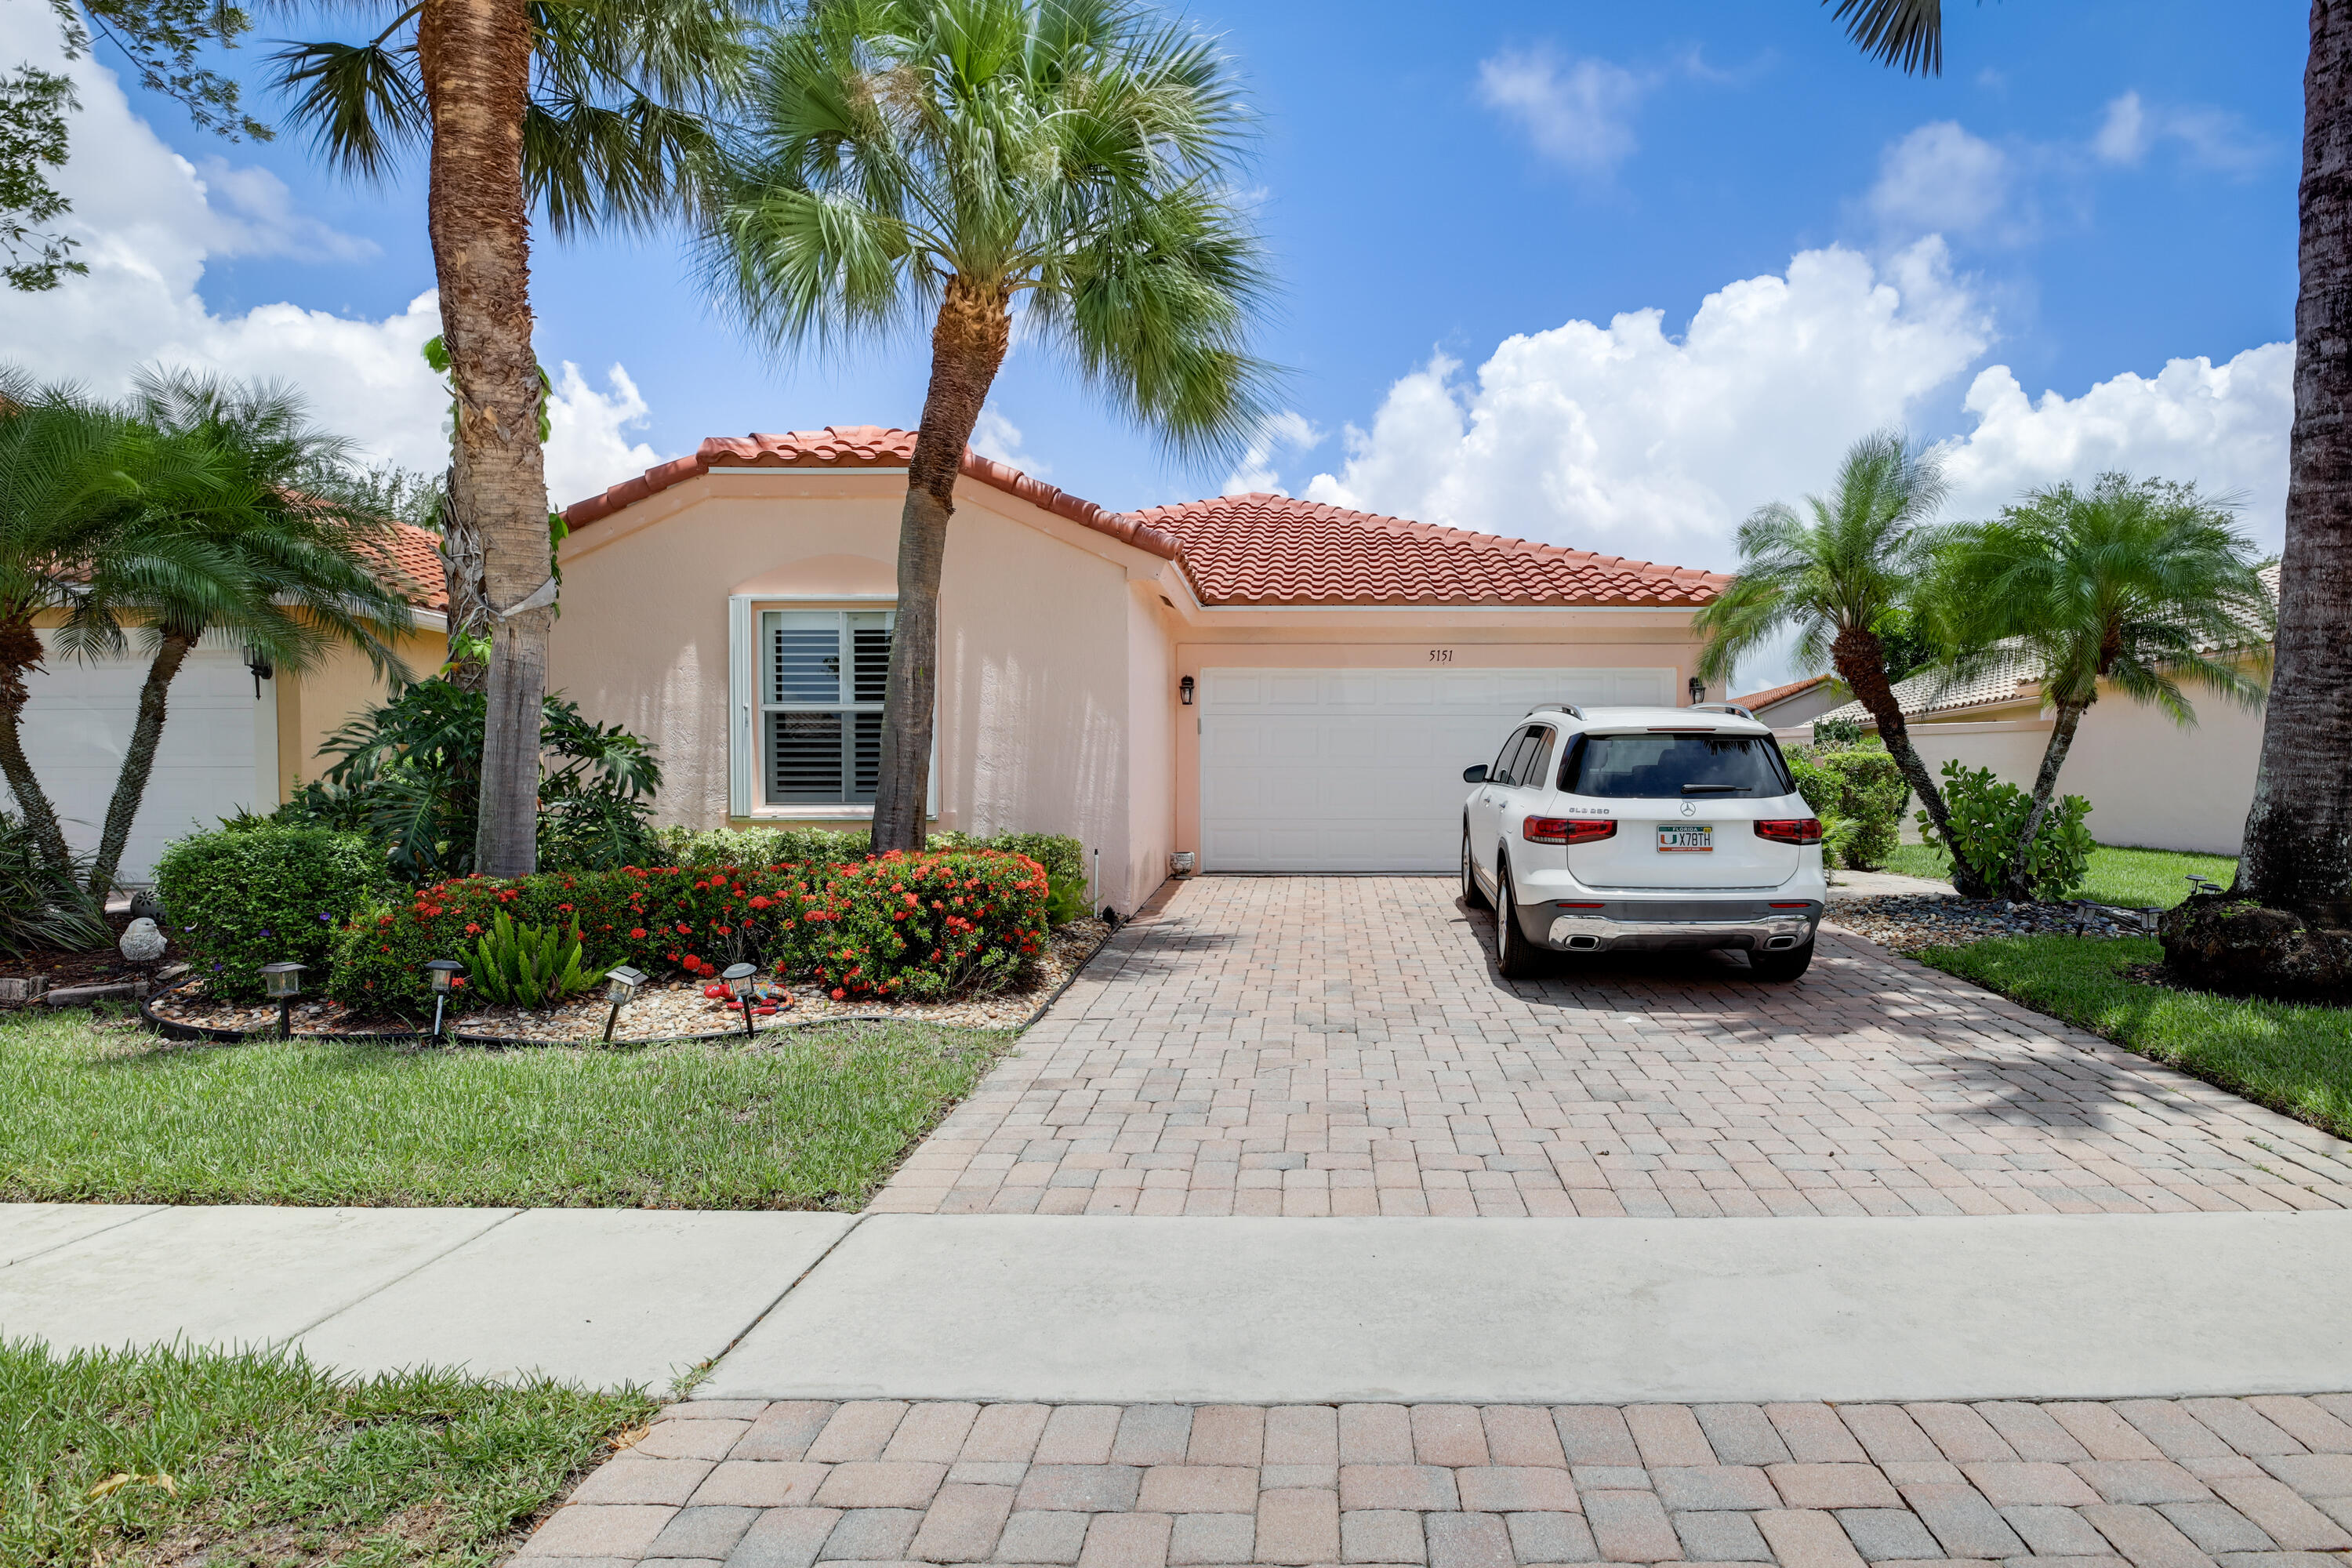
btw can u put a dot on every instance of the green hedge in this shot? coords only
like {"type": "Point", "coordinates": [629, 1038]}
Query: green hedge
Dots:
{"type": "Point", "coordinates": [900, 926]}
{"type": "Point", "coordinates": [262, 893]}
{"type": "Point", "coordinates": [1858, 793]}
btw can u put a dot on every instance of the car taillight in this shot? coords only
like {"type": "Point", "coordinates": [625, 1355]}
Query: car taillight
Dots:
{"type": "Point", "coordinates": [1791, 830]}
{"type": "Point", "coordinates": [1567, 829]}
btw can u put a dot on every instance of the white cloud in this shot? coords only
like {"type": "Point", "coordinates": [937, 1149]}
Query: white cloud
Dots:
{"type": "Point", "coordinates": [1939, 179]}
{"type": "Point", "coordinates": [1288, 431]}
{"type": "Point", "coordinates": [1575, 111]}
{"type": "Point", "coordinates": [2208, 138]}
{"type": "Point", "coordinates": [1620, 438]}
{"type": "Point", "coordinates": [996, 436]}
{"type": "Point", "coordinates": [2223, 426]}
{"type": "Point", "coordinates": [150, 220]}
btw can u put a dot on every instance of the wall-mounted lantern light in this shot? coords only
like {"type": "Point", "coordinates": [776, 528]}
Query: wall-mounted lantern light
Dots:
{"type": "Point", "coordinates": [1697, 690]}
{"type": "Point", "coordinates": [1184, 691]}
{"type": "Point", "coordinates": [621, 985]}
{"type": "Point", "coordinates": [282, 983]}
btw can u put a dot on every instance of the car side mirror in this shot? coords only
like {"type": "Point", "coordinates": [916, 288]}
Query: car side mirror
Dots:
{"type": "Point", "coordinates": [1474, 774]}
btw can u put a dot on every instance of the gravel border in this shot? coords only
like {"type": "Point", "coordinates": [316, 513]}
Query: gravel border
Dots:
{"type": "Point", "coordinates": [181, 1029]}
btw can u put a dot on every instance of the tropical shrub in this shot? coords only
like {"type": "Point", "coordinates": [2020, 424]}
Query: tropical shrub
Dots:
{"type": "Point", "coordinates": [1829, 731]}
{"type": "Point", "coordinates": [410, 776]}
{"type": "Point", "coordinates": [530, 966]}
{"type": "Point", "coordinates": [263, 892]}
{"type": "Point", "coordinates": [1988, 814]}
{"type": "Point", "coordinates": [1063, 857]}
{"type": "Point", "coordinates": [758, 845]}
{"type": "Point", "coordinates": [39, 906]}
{"type": "Point", "coordinates": [1858, 793]}
{"type": "Point", "coordinates": [976, 917]}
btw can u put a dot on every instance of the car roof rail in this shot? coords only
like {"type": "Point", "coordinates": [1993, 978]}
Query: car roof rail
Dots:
{"type": "Point", "coordinates": [1570, 709]}
{"type": "Point", "coordinates": [1723, 707]}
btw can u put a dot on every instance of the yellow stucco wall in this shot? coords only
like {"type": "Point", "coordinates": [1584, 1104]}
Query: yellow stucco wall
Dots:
{"type": "Point", "coordinates": [314, 704]}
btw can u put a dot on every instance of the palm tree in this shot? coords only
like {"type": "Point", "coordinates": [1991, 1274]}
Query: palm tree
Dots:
{"type": "Point", "coordinates": [1843, 576]}
{"type": "Point", "coordinates": [594, 111]}
{"type": "Point", "coordinates": [75, 475]}
{"type": "Point", "coordinates": [2297, 851]}
{"type": "Point", "coordinates": [296, 572]}
{"type": "Point", "coordinates": [940, 158]}
{"type": "Point", "coordinates": [2143, 586]}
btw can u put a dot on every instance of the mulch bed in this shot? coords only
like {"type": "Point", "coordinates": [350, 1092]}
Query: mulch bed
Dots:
{"type": "Point", "coordinates": [1907, 922]}
{"type": "Point", "coordinates": [668, 1012]}
{"type": "Point", "coordinates": [103, 967]}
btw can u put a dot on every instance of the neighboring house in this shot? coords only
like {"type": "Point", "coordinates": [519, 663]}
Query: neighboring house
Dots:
{"type": "Point", "coordinates": [1797, 704]}
{"type": "Point", "coordinates": [1273, 684]}
{"type": "Point", "coordinates": [2151, 782]}
{"type": "Point", "coordinates": [235, 738]}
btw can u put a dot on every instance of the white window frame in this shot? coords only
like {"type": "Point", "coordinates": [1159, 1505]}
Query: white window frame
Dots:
{"type": "Point", "coordinates": [744, 798]}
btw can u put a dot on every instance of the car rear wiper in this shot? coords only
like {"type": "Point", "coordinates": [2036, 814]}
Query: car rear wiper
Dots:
{"type": "Point", "coordinates": [1713, 789]}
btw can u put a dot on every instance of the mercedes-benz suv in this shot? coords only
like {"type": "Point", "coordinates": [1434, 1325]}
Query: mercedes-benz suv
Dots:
{"type": "Point", "coordinates": [1604, 829]}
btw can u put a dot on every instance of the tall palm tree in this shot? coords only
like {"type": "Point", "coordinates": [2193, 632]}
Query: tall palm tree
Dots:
{"type": "Point", "coordinates": [2143, 586]}
{"type": "Point", "coordinates": [75, 476]}
{"type": "Point", "coordinates": [1842, 575]}
{"type": "Point", "coordinates": [2297, 851]}
{"type": "Point", "coordinates": [940, 158]}
{"type": "Point", "coordinates": [592, 109]}
{"type": "Point", "coordinates": [303, 573]}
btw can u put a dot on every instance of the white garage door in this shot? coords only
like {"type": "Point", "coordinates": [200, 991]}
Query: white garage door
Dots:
{"type": "Point", "coordinates": [1361, 770]}
{"type": "Point", "coordinates": [218, 753]}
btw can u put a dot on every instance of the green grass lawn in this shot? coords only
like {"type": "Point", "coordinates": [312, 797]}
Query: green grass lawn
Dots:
{"type": "Point", "coordinates": [2294, 1059]}
{"type": "Point", "coordinates": [93, 1109]}
{"type": "Point", "coordinates": [238, 1460]}
{"type": "Point", "coordinates": [2131, 878]}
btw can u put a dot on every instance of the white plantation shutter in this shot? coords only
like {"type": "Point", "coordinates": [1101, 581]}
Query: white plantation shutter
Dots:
{"type": "Point", "coordinates": [819, 678]}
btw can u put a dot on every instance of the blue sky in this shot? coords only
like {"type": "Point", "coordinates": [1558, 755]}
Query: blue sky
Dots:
{"type": "Point", "coordinates": [1460, 214]}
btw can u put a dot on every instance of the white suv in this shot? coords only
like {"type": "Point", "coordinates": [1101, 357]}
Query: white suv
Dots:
{"type": "Point", "coordinates": [1612, 829]}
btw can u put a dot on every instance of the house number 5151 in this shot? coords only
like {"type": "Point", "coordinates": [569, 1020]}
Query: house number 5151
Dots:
{"type": "Point", "coordinates": [1441, 656]}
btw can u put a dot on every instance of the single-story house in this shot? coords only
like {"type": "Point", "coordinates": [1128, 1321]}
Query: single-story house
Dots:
{"type": "Point", "coordinates": [2151, 783]}
{"type": "Point", "coordinates": [236, 737]}
{"type": "Point", "coordinates": [1267, 683]}
{"type": "Point", "coordinates": [1798, 703]}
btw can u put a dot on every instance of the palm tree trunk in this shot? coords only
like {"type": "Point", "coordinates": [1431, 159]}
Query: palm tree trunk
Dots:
{"type": "Point", "coordinates": [138, 761]}
{"type": "Point", "coordinates": [967, 345]}
{"type": "Point", "coordinates": [2015, 882]}
{"type": "Point", "coordinates": [1860, 662]}
{"type": "Point", "coordinates": [2297, 852]}
{"type": "Point", "coordinates": [469, 618]}
{"type": "Point", "coordinates": [20, 654]}
{"type": "Point", "coordinates": [476, 61]}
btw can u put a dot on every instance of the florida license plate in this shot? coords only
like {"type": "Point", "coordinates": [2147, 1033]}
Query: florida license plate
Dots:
{"type": "Point", "coordinates": [1684, 840]}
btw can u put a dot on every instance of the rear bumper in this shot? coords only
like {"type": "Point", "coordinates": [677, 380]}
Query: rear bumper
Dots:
{"type": "Point", "coordinates": [1632, 925]}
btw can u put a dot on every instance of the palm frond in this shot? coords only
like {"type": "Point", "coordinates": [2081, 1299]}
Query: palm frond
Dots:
{"type": "Point", "coordinates": [362, 104]}
{"type": "Point", "coordinates": [1907, 34]}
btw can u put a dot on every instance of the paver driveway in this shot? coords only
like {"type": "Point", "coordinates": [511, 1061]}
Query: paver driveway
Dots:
{"type": "Point", "coordinates": [2194, 1483]}
{"type": "Point", "coordinates": [1340, 1045]}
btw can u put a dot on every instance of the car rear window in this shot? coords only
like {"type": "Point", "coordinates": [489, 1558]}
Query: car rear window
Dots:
{"type": "Point", "coordinates": [1646, 767]}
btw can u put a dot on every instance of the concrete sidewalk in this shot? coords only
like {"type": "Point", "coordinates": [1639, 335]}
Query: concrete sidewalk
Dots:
{"type": "Point", "coordinates": [596, 1296]}
{"type": "Point", "coordinates": [1127, 1310]}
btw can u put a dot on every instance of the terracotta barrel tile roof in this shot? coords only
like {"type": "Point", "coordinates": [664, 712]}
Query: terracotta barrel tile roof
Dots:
{"type": "Point", "coordinates": [1766, 698]}
{"type": "Point", "coordinates": [1264, 549]}
{"type": "Point", "coordinates": [416, 564]}
{"type": "Point", "coordinates": [1247, 549]}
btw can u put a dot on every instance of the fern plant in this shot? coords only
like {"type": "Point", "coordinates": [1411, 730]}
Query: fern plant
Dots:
{"type": "Point", "coordinates": [528, 966]}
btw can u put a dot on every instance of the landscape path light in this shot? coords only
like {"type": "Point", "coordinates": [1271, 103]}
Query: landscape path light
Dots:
{"type": "Point", "coordinates": [621, 985]}
{"type": "Point", "coordinates": [737, 978]}
{"type": "Point", "coordinates": [444, 973]}
{"type": "Point", "coordinates": [283, 981]}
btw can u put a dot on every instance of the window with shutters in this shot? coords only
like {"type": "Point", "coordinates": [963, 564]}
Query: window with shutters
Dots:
{"type": "Point", "coordinates": [821, 676]}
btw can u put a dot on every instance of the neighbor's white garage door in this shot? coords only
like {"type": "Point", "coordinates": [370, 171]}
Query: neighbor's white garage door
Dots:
{"type": "Point", "coordinates": [1361, 770]}
{"type": "Point", "coordinates": [218, 753]}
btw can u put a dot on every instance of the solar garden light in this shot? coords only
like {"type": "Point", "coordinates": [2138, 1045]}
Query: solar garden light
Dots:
{"type": "Point", "coordinates": [737, 978]}
{"type": "Point", "coordinates": [621, 985]}
{"type": "Point", "coordinates": [444, 973]}
{"type": "Point", "coordinates": [283, 981]}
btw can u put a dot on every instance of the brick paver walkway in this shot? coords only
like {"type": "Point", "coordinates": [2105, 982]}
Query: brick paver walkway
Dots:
{"type": "Point", "coordinates": [2245, 1483]}
{"type": "Point", "coordinates": [1317, 1046]}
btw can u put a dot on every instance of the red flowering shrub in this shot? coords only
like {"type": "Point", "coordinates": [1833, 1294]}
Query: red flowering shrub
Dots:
{"type": "Point", "coordinates": [902, 926]}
